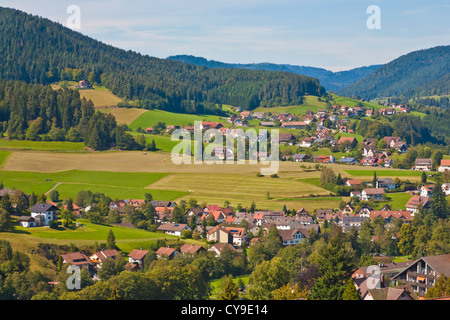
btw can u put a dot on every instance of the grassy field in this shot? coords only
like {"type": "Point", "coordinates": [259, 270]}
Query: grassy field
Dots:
{"type": "Point", "coordinates": [41, 145]}
{"type": "Point", "coordinates": [152, 117]}
{"type": "Point", "coordinates": [127, 239]}
{"type": "Point", "coordinates": [384, 173]}
{"type": "Point", "coordinates": [101, 97]}
{"type": "Point", "coordinates": [124, 115]}
{"type": "Point", "coordinates": [68, 183]}
{"type": "Point", "coordinates": [217, 285]}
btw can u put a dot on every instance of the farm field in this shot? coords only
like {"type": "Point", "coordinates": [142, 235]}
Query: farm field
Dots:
{"type": "Point", "coordinates": [100, 96]}
{"type": "Point", "coordinates": [132, 174]}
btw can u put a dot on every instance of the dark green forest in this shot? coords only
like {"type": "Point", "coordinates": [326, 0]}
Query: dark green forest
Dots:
{"type": "Point", "coordinates": [36, 112]}
{"type": "Point", "coordinates": [419, 73]}
{"type": "Point", "coordinates": [37, 50]}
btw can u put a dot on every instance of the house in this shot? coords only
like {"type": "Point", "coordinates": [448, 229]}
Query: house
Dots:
{"type": "Point", "coordinates": [245, 115]}
{"type": "Point", "coordinates": [446, 188]}
{"type": "Point", "coordinates": [101, 256]}
{"type": "Point", "coordinates": [353, 183]}
{"type": "Point", "coordinates": [349, 208]}
{"type": "Point", "coordinates": [219, 234]}
{"type": "Point", "coordinates": [286, 138]}
{"type": "Point", "coordinates": [196, 212]}
{"type": "Point", "coordinates": [416, 202]}
{"type": "Point", "coordinates": [445, 165]}
{"type": "Point", "coordinates": [423, 165]}
{"type": "Point", "coordinates": [390, 293]}
{"type": "Point", "coordinates": [77, 259]}
{"type": "Point", "coordinates": [426, 191]}
{"type": "Point", "coordinates": [369, 151]}
{"type": "Point", "coordinates": [44, 213]}
{"type": "Point", "coordinates": [300, 157]}
{"type": "Point", "coordinates": [307, 142]}
{"type": "Point", "coordinates": [352, 221]}
{"type": "Point", "coordinates": [219, 248]}
{"type": "Point", "coordinates": [351, 142]}
{"type": "Point", "coordinates": [294, 125]}
{"type": "Point", "coordinates": [348, 160]}
{"type": "Point", "coordinates": [191, 248]}
{"type": "Point", "coordinates": [385, 183]}
{"type": "Point", "coordinates": [324, 159]}
{"type": "Point", "coordinates": [166, 253]}
{"type": "Point", "coordinates": [137, 257]}
{"type": "Point", "coordinates": [175, 229]}
{"type": "Point", "coordinates": [149, 130]}
{"type": "Point", "coordinates": [27, 222]}
{"type": "Point", "coordinates": [267, 123]}
{"type": "Point", "coordinates": [293, 236]}
{"type": "Point", "coordinates": [321, 214]}
{"type": "Point", "coordinates": [259, 115]}
{"type": "Point", "coordinates": [387, 215]}
{"type": "Point", "coordinates": [372, 193]}
{"type": "Point", "coordinates": [239, 235]}
{"type": "Point", "coordinates": [369, 161]}
{"type": "Point", "coordinates": [422, 274]}
{"type": "Point", "coordinates": [355, 194]}
{"type": "Point", "coordinates": [83, 84]}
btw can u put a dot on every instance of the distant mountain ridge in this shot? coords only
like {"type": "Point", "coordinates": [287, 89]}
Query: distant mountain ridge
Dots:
{"type": "Point", "coordinates": [419, 73]}
{"type": "Point", "coordinates": [333, 81]}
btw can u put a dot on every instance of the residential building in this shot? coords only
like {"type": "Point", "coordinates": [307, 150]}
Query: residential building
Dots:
{"type": "Point", "coordinates": [166, 253]}
{"type": "Point", "coordinates": [100, 256]}
{"type": "Point", "coordinates": [416, 202]}
{"type": "Point", "coordinates": [426, 191]}
{"type": "Point", "coordinates": [137, 257]}
{"type": "Point", "coordinates": [293, 236]}
{"type": "Point", "coordinates": [44, 213]}
{"type": "Point", "coordinates": [445, 165]}
{"type": "Point", "coordinates": [372, 193]}
{"type": "Point", "coordinates": [191, 248]}
{"type": "Point", "coordinates": [352, 221]}
{"type": "Point", "coordinates": [294, 125]}
{"type": "Point", "coordinates": [218, 248]}
{"type": "Point", "coordinates": [219, 234]}
{"type": "Point", "coordinates": [423, 165]}
{"type": "Point", "coordinates": [77, 259]}
{"type": "Point", "coordinates": [175, 229]}
{"type": "Point", "coordinates": [423, 273]}
{"type": "Point", "coordinates": [239, 235]}
{"type": "Point", "coordinates": [385, 183]}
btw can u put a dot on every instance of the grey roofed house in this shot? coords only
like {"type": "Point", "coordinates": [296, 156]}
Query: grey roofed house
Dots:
{"type": "Point", "coordinates": [352, 221]}
{"type": "Point", "coordinates": [43, 207]}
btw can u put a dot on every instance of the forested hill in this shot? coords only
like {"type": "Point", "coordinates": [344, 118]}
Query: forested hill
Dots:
{"type": "Point", "coordinates": [37, 50]}
{"type": "Point", "coordinates": [419, 73]}
{"type": "Point", "coordinates": [330, 80]}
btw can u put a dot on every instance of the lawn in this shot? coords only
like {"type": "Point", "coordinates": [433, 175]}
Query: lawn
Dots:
{"type": "Point", "coordinates": [397, 201]}
{"type": "Point", "coordinates": [217, 285]}
{"type": "Point", "coordinates": [42, 145]}
{"type": "Point", "coordinates": [152, 117]}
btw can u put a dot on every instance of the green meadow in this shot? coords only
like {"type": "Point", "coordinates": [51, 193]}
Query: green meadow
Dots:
{"type": "Point", "coordinates": [384, 173]}
{"type": "Point", "coordinates": [60, 146]}
{"type": "Point", "coordinates": [118, 185]}
{"type": "Point", "coordinates": [152, 117]}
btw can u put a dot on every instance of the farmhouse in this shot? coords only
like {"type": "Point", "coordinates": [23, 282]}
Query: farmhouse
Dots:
{"type": "Point", "coordinates": [423, 164]}
{"type": "Point", "coordinates": [286, 138]}
{"type": "Point", "coordinates": [294, 125]}
{"type": "Point", "coordinates": [175, 229]}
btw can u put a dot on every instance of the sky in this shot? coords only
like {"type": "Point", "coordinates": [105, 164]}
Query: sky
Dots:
{"type": "Point", "coordinates": [330, 34]}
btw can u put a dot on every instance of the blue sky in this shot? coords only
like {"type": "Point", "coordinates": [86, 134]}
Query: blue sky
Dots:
{"type": "Point", "coordinates": [331, 34]}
